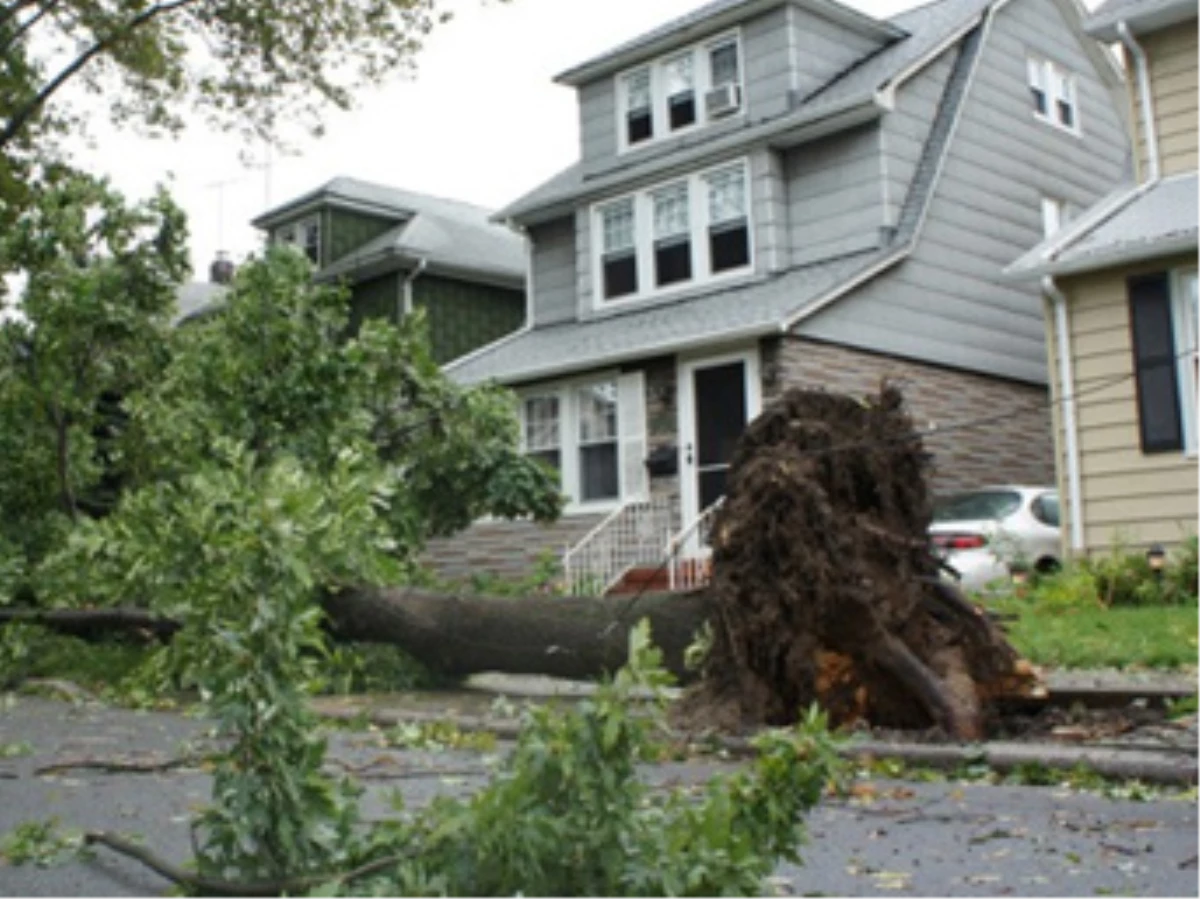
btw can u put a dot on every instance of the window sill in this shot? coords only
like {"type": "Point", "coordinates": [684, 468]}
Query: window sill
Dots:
{"type": "Point", "coordinates": [1075, 132]}
{"type": "Point", "coordinates": [598, 309]}
{"type": "Point", "coordinates": [602, 507]}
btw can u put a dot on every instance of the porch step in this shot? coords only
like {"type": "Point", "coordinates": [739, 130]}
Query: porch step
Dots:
{"type": "Point", "coordinates": [657, 579]}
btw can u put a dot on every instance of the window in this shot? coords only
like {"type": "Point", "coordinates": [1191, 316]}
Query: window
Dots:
{"type": "Point", "coordinates": [689, 88]}
{"type": "Point", "coordinates": [543, 429]}
{"type": "Point", "coordinates": [1054, 94]}
{"type": "Point", "coordinates": [618, 250]}
{"type": "Point", "coordinates": [597, 406]}
{"type": "Point", "coordinates": [728, 224]}
{"type": "Point", "coordinates": [593, 433]}
{"type": "Point", "coordinates": [670, 235]}
{"type": "Point", "coordinates": [304, 235]}
{"type": "Point", "coordinates": [638, 117]}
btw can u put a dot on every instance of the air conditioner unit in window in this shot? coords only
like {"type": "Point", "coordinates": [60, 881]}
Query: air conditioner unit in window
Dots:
{"type": "Point", "coordinates": [722, 100]}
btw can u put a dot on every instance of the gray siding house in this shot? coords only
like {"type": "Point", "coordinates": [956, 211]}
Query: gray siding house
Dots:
{"type": "Point", "coordinates": [399, 251]}
{"type": "Point", "coordinates": [790, 192]}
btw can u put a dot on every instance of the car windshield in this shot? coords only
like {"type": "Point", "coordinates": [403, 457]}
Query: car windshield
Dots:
{"type": "Point", "coordinates": [979, 505]}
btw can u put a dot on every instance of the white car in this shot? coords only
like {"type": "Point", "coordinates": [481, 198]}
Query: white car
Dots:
{"type": "Point", "coordinates": [981, 534]}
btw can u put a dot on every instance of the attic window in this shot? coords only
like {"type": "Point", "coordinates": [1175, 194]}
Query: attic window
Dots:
{"type": "Point", "coordinates": [304, 235]}
{"type": "Point", "coordinates": [1054, 93]}
{"type": "Point", "coordinates": [639, 122]}
{"type": "Point", "coordinates": [683, 90]}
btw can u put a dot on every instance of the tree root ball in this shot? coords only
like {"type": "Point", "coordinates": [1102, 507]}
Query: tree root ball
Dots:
{"type": "Point", "coordinates": [824, 586]}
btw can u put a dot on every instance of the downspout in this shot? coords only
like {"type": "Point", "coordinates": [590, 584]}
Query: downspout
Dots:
{"type": "Point", "coordinates": [1142, 67]}
{"type": "Point", "coordinates": [1066, 380]}
{"type": "Point", "coordinates": [406, 288]}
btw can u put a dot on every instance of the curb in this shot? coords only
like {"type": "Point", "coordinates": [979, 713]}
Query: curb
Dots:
{"type": "Point", "coordinates": [1178, 768]}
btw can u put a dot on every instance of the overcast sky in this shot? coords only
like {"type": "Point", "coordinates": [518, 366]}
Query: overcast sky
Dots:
{"type": "Point", "coordinates": [481, 121]}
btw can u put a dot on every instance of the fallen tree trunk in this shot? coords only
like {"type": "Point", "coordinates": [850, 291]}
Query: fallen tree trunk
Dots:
{"type": "Point", "coordinates": [92, 623]}
{"type": "Point", "coordinates": [561, 636]}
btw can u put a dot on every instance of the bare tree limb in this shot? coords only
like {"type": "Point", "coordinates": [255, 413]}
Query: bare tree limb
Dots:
{"type": "Point", "coordinates": [210, 887]}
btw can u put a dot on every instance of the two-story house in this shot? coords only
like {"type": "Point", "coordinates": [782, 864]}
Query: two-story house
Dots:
{"type": "Point", "coordinates": [791, 192]}
{"type": "Point", "coordinates": [1120, 287]}
{"type": "Point", "coordinates": [399, 251]}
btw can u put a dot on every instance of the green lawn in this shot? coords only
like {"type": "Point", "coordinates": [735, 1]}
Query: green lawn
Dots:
{"type": "Point", "coordinates": [1098, 637]}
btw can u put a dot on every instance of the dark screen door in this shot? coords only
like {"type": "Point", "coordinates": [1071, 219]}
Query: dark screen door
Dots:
{"type": "Point", "coordinates": [720, 395]}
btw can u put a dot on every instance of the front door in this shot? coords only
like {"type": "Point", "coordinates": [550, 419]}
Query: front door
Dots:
{"type": "Point", "coordinates": [717, 397]}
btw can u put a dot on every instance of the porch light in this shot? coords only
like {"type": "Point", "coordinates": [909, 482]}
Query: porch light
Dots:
{"type": "Point", "coordinates": [1157, 557]}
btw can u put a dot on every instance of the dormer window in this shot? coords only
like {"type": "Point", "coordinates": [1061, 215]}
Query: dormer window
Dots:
{"type": "Point", "coordinates": [684, 90]}
{"type": "Point", "coordinates": [304, 235]}
{"type": "Point", "coordinates": [639, 120]}
{"type": "Point", "coordinates": [687, 231]}
{"type": "Point", "coordinates": [681, 92]}
{"type": "Point", "coordinates": [1054, 94]}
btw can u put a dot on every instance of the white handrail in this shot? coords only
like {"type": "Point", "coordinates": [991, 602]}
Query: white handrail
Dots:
{"type": "Point", "coordinates": [631, 535]}
{"type": "Point", "coordinates": [695, 570]}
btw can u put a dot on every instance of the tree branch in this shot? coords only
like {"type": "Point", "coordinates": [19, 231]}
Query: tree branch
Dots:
{"type": "Point", "coordinates": [19, 119]}
{"type": "Point", "coordinates": [23, 28]}
{"type": "Point", "coordinates": [210, 887]}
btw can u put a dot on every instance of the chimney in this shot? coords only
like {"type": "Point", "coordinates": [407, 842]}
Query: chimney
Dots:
{"type": "Point", "coordinates": [221, 270]}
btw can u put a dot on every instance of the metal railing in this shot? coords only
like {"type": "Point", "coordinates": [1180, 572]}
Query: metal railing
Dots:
{"type": "Point", "coordinates": [632, 535]}
{"type": "Point", "coordinates": [689, 553]}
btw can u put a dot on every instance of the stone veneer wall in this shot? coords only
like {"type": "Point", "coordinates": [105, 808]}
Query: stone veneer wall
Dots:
{"type": "Point", "coordinates": [997, 431]}
{"type": "Point", "coordinates": [505, 549]}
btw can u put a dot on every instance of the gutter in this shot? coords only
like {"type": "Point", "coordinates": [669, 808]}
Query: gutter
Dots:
{"type": "Point", "coordinates": [406, 288]}
{"type": "Point", "coordinates": [1066, 378]}
{"type": "Point", "coordinates": [1142, 68]}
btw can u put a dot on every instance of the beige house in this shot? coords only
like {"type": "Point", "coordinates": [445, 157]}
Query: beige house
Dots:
{"type": "Point", "coordinates": [1120, 298]}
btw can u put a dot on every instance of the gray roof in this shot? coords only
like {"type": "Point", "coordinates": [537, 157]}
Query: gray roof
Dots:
{"type": "Point", "coordinates": [1140, 15]}
{"type": "Point", "coordinates": [712, 17]}
{"type": "Point", "coordinates": [752, 309]}
{"type": "Point", "coordinates": [1137, 223]}
{"type": "Point", "coordinates": [852, 94]}
{"type": "Point", "coordinates": [449, 235]}
{"type": "Point", "coordinates": [197, 298]}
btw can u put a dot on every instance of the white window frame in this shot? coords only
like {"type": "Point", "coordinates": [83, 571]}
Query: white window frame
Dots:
{"type": "Point", "coordinates": [629, 437]}
{"type": "Point", "coordinates": [1054, 216]}
{"type": "Point", "coordinates": [295, 235]}
{"type": "Point", "coordinates": [1185, 325]}
{"type": "Point", "coordinates": [699, 220]}
{"type": "Point", "coordinates": [702, 83]}
{"type": "Point", "coordinates": [1059, 85]}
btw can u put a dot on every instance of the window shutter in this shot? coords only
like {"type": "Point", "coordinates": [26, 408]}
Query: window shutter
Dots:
{"type": "Point", "coordinates": [1154, 363]}
{"type": "Point", "coordinates": [631, 428]}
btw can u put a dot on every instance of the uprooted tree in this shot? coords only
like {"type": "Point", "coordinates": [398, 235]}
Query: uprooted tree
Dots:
{"type": "Point", "coordinates": [824, 587]}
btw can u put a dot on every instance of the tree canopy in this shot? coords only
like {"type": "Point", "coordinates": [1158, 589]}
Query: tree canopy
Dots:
{"type": "Point", "coordinates": [261, 67]}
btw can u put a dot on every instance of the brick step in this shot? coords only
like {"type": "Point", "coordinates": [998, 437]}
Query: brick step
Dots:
{"type": "Point", "coordinates": [656, 579]}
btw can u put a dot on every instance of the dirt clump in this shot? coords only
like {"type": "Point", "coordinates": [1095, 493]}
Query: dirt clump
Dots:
{"type": "Point", "coordinates": [824, 586]}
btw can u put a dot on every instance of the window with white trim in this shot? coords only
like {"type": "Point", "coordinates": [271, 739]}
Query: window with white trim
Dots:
{"type": "Point", "coordinates": [682, 90]}
{"type": "Point", "coordinates": [593, 433]}
{"type": "Point", "coordinates": [686, 231]}
{"type": "Point", "coordinates": [304, 235]}
{"type": "Point", "coordinates": [1054, 93]}
{"type": "Point", "coordinates": [1163, 323]}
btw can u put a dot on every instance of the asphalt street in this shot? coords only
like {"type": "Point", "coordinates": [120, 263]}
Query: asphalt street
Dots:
{"type": "Point", "coordinates": [892, 838]}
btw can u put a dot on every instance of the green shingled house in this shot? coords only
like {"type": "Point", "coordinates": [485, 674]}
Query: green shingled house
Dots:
{"type": "Point", "coordinates": [400, 251]}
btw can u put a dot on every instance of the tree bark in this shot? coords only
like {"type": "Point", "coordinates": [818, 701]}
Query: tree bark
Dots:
{"type": "Point", "coordinates": [560, 636]}
{"type": "Point", "coordinates": [575, 637]}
